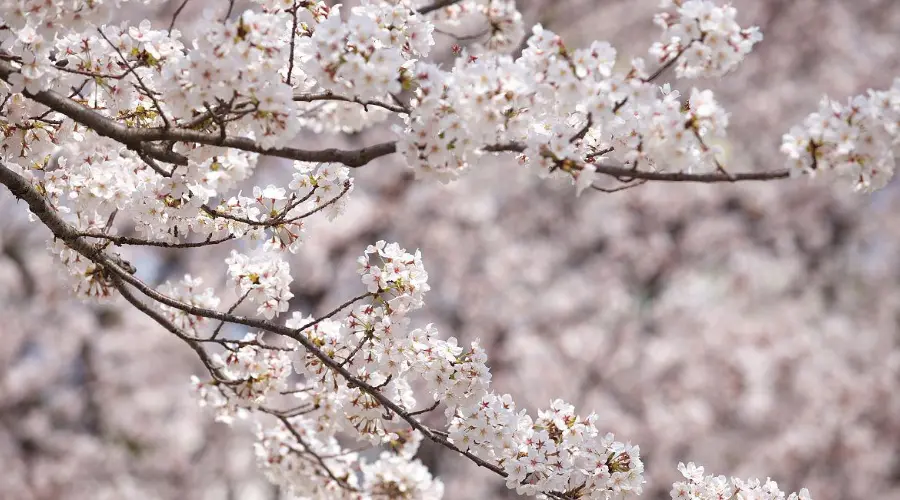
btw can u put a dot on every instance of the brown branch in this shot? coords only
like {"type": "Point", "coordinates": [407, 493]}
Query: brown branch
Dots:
{"type": "Point", "coordinates": [356, 349]}
{"type": "Point", "coordinates": [279, 219]}
{"type": "Point", "coordinates": [139, 139]}
{"type": "Point", "coordinates": [231, 309]}
{"type": "Point", "coordinates": [329, 96]}
{"type": "Point", "coordinates": [231, 344]}
{"type": "Point", "coordinates": [688, 177]}
{"type": "Point", "coordinates": [671, 62]}
{"type": "Point", "coordinates": [296, 202]}
{"type": "Point", "coordinates": [62, 230]}
{"type": "Point", "coordinates": [347, 186]}
{"type": "Point", "coordinates": [223, 108]}
{"type": "Point", "coordinates": [290, 412]}
{"type": "Point", "coordinates": [659, 71]}
{"type": "Point", "coordinates": [464, 38]}
{"type": "Point", "coordinates": [620, 188]}
{"type": "Point", "coordinates": [293, 12]}
{"type": "Point", "coordinates": [102, 125]}
{"type": "Point", "coordinates": [584, 130]}
{"type": "Point", "coordinates": [150, 162]}
{"type": "Point", "coordinates": [121, 277]}
{"type": "Point", "coordinates": [219, 121]}
{"type": "Point", "coordinates": [439, 4]}
{"type": "Point", "coordinates": [176, 14]}
{"type": "Point", "coordinates": [91, 74]}
{"type": "Point", "coordinates": [126, 240]}
{"type": "Point", "coordinates": [618, 172]}
{"type": "Point", "coordinates": [228, 14]}
{"type": "Point", "coordinates": [426, 410]}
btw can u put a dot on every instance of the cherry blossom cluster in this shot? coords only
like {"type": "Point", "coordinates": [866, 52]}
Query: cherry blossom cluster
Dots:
{"type": "Point", "coordinates": [704, 37]}
{"type": "Point", "coordinates": [395, 273]}
{"type": "Point", "coordinates": [255, 43]}
{"type": "Point", "coordinates": [569, 107]}
{"type": "Point", "coordinates": [269, 207]}
{"type": "Point", "coordinates": [366, 55]}
{"type": "Point", "coordinates": [215, 171]}
{"type": "Point", "coordinates": [668, 134]}
{"type": "Point", "coordinates": [97, 178]}
{"type": "Point", "coordinates": [698, 487]}
{"type": "Point", "coordinates": [252, 372]}
{"type": "Point", "coordinates": [243, 379]}
{"type": "Point", "coordinates": [394, 476]}
{"type": "Point", "coordinates": [211, 395]}
{"type": "Point", "coordinates": [286, 456]}
{"type": "Point", "coordinates": [112, 52]}
{"type": "Point", "coordinates": [23, 138]}
{"type": "Point", "coordinates": [264, 279]}
{"type": "Point", "coordinates": [558, 451]}
{"type": "Point", "coordinates": [273, 214]}
{"type": "Point", "coordinates": [853, 141]}
{"type": "Point", "coordinates": [328, 183]}
{"type": "Point", "coordinates": [88, 278]}
{"type": "Point", "coordinates": [32, 28]}
{"type": "Point", "coordinates": [456, 113]}
{"type": "Point", "coordinates": [33, 75]}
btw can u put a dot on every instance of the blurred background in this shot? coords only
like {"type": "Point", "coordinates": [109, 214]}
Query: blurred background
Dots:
{"type": "Point", "coordinates": [754, 329]}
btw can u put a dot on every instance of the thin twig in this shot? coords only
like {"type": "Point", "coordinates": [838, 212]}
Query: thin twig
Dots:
{"type": "Point", "coordinates": [120, 277]}
{"type": "Point", "coordinates": [231, 309]}
{"type": "Point", "coordinates": [659, 71]}
{"type": "Point", "coordinates": [138, 78]}
{"type": "Point", "coordinates": [426, 410]}
{"type": "Point", "coordinates": [126, 240]}
{"type": "Point", "coordinates": [230, 8]}
{"type": "Point", "coordinates": [176, 14]}
{"type": "Point", "coordinates": [92, 74]}
{"type": "Point", "coordinates": [620, 188]}
{"type": "Point", "coordinates": [439, 4]}
{"type": "Point", "coordinates": [341, 482]}
{"type": "Point", "coordinates": [329, 96]}
{"type": "Point", "coordinates": [279, 219]}
{"type": "Point", "coordinates": [464, 38]}
{"type": "Point", "coordinates": [584, 130]}
{"type": "Point", "coordinates": [614, 171]}
{"type": "Point", "coordinates": [152, 164]}
{"type": "Point", "coordinates": [671, 62]}
{"type": "Point", "coordinates": [140, 138]}
{"type": "Point", "coordinates": [358, 347]}
{"type": "Point", "coordinates": [293, 12]}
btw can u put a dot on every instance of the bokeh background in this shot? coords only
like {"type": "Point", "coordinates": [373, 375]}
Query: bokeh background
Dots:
{"type": "Point", "coordinates": [750, 328]}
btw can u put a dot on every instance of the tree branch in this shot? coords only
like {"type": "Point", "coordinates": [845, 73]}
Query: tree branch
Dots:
{"type": "Point", "coordinates": [329, 96]}
{"type": "Point", "coordinates": [119, 276]}
{"type": "Point", "coordinates": [176, 14]}
{"type": "Point", "coordinates": [439, 4]}
{"type": "Point", "coordinates": [619, 172]}
{"type": "Point", "coordinates": [127, 240]}
{"type": "Point", "coordinates": [139, 139]}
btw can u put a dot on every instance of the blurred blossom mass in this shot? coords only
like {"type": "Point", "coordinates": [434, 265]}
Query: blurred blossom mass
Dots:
{"type": "Point", "coordinates": [750, 327]}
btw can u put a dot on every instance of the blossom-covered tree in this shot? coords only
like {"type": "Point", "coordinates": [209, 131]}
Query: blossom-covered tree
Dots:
{"type": "Point", "coordinates": [108, 126]}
